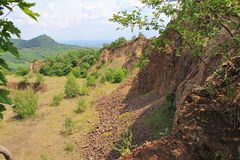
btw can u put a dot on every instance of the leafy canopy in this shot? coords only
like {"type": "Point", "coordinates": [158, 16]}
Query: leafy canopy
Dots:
{"type": "Point", "coordinates": [8, 29]}
{"type": "Point", "coordinates": [195, 21]}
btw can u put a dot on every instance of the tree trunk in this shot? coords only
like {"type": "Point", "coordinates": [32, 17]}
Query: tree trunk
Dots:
{"type": "Point", "coordinates": [6, 153]}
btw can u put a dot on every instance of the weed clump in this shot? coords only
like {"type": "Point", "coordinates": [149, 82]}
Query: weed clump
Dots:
{"type": "Point", "coordinates": [25, 103]}
{"type": "Point", "coordinates": [124, 146]}
{"type": "Point", "coordinates": [82, 106]}
{"type": "Point", "coordinates": [69, 126]}
{"type": "Point", "coordinates": [57, 99]}
{"type": "Point", "coordinates": [69, 147]}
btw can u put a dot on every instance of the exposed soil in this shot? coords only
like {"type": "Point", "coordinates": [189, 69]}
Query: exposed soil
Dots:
{"type": "Point", "coordinates": [21, 86]}
{"type": "Point", "coordinates": [208, 125]}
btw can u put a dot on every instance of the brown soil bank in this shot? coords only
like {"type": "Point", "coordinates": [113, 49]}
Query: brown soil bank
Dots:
{"type": "Point", "coordinates": [208, 124]}
{"type": "Point", "coordinates": [36, 87]}
{"type": "Point", "coordinates": [130, 52]}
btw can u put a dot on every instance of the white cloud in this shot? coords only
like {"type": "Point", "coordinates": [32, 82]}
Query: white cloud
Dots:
{"type": "Point", "coordinates": [63, 16]}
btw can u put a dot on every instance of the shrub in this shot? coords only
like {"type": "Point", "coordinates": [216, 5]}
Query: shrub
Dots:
{"type": "Point", "coordinates": [91, 81]}
{"type": "Point", "coordinates": [109, 75]}
{"type": "Point", "coordinates": [81, 107]}
{"type": "Point", "coordinates": [115, 76]}
{"type": "Point", "coordinates": [57, 99]}
{"type": "Point", "coordinates": [84, 90]}
{"type": "Point", "coordinates": [95, 74]}
{"type": "Point", "coordinates": [119, 75]}
{"type": "Point", "coordinates": [124, 146]}
{"type": "Point", "coordinates": [77, 72]}
{"type": "Point", "coordinates": [84, 73]}
{"type": "Point", "coordinates": [69, 126]}
{"type": "Point", "coordinates": [72, 88]}
{"type": "Point", "coordinates": [25, 103]}
{"type": "Point", "coordinates": [39, 79]}
{"type": "Point", "coordinates": [69, 147]}
{"type": "Point", "coordinates": [22, 71]}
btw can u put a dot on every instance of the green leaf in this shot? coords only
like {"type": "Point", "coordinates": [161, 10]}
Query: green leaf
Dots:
{"type": "Point", "coordinates": [25, 7]}
{"type": "Point", "coordinates": [4, 99]}
{"type": "Point", "coordinates": [2, 108]}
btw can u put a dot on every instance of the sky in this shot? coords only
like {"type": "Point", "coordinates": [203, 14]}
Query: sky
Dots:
{"type": "Point", "coordinates": [66, 20]}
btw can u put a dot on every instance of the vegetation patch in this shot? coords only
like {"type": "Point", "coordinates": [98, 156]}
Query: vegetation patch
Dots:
{"type": "Point", "coordinates": [120, 41]}
{"type": "Point", "coordinates": [82, 106]}
{"type": "Point", "coordinates": [69, 147]}
{"type": "Point", "coordinates": [69, 126]}
{"type": "Point", "coordinates": [57, 99]}
{"type": "Point", "coordinates": [78, 62]}
{"type": "Point", "coordinates": [124, 145]}
{"type": "Point", "coordinates": [71, 88]}
{"type": "Point", "coordinates": [25, 103]}
{"type": "Point", "coordinates": [115, 76]}
{"type": "Point", "coordinates": [161, 120]}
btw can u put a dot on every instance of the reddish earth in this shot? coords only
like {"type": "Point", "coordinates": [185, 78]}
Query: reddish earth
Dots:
{"type": "Point", "coordinates": [208, 125]}
{"type": "Point", "coordinates": [21, 86]}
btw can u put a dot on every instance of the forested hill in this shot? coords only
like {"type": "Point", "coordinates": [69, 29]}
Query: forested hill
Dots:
{"type": "Point", "coordinates": [37, 48]}
{"type": "Point", "coordinates": [42, 41]}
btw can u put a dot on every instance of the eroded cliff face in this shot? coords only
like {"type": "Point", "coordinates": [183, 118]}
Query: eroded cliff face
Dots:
{"type": "Point", "coordinates": [130, 52]}
{"type": "Point", "coordinates": [168, 73]}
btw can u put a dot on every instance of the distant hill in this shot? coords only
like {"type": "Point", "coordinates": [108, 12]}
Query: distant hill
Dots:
{"type": "Point", "coordinates": [37, 48]}
{"type": "Point", "coordinates": [42, 41]}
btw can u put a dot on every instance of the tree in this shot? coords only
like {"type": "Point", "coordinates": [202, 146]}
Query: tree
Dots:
{"type": "Point", "coordinates": [8, 29]}
{"type": "Point", "coordinates": [195, 21]}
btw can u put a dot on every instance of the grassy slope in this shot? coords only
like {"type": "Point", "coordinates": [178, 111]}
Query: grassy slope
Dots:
{"type": "Point", "coordinates": [41, 135]}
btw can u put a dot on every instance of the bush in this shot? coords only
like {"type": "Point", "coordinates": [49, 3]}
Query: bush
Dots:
{"type": "Point", "coordinates": [72, 88]}
{"type": "Point", "coordinates": [109, 75]}
{"type": "Point", "coordinates": [81, 107]}
{"type": "Point", "coordinates": [115, 76]}
{"type": "Point", "coordinates": [95, 74]}
{"type": "Point", "coordinates": [25, 103]}
{"type": "Point", "coordinates": [39, 79]}
{"type": "Point", "coordinates": [57, 99]}
{"type": "Point", "coordinates": [69, 147]}
{"type": "Point", "coordinates": [91, 81]}
{"type": "Point", "coordinates": [84, 73]}
{"type": "Point", "coordinates": [77, 72]}
{"type": "Point", "coordinates": [119, 75]}
{"type": "Point", "coordinates": [69, 126]}
{"type": "Point", "coordinates": [22, 71]}
{"type": "Point", "coordinates": [84, 90]}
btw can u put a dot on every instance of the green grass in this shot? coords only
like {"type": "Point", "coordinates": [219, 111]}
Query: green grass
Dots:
{"type": "Point", "coordinates": [43, 131]}
{"type": "Point", "coordinates": [161, 120]}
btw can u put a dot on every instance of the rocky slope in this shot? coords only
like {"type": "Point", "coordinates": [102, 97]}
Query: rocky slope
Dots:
{"type": "Point", "coordinates": [128, 54]}
{"type": "Point", "coordinates": [208, 124]}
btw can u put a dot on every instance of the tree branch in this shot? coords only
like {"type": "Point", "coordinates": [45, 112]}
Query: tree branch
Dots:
{"type": "Point", "coordinates": [6, 153]}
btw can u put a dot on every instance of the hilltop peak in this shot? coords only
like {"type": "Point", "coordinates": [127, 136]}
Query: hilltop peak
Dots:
{"type": "Point", "coordinates": [42, 41]}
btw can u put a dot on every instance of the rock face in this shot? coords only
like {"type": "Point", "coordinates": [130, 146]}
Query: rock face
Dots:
{"type": "Point", "coordinates": [167, 73]}
{"type": "Point", "coordinates": [208, 124]}
{"type": "Point", "coordinates": [130, 51]}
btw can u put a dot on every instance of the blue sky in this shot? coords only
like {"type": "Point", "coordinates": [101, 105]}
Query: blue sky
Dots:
{"type": "Point", "coordinates": [75, 19]}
